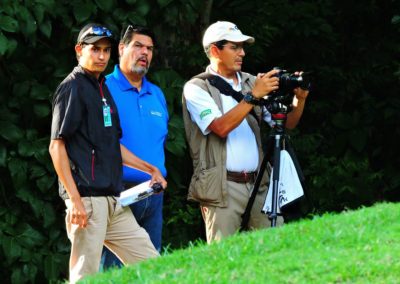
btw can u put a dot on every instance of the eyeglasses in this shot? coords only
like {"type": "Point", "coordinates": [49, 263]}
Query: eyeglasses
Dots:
{"type": "Point", "coordinates": [237, 47]}
{"type": "Point", "coordinates": [128, 29]}
{"type": "Point", "coordinates": [97, 31]}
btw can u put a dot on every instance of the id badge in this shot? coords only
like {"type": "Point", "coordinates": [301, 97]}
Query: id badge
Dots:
{"type": "Point", "coordinates": [107, 116]}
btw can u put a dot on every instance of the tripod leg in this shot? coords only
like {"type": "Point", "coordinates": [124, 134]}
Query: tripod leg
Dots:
{"type": "Point", "coordinates": [261, 172]}
{"type": "Point", "coordinates": [275, 179]}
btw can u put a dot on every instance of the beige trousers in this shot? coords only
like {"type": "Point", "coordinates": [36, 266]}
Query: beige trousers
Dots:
{"type": "Point", "coordinates": [221, 222]}
{"type": "Point", "coordinates": [109, 224]}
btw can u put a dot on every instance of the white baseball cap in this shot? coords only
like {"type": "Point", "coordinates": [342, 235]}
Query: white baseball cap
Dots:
{"type": "Point", "coordinates": [224, 31]}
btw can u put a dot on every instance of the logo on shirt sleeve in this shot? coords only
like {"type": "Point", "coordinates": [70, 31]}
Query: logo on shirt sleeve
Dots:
{"type": "Point", "coordinates": [205, 113]}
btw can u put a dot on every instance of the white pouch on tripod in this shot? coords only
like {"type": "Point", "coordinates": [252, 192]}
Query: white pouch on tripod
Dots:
{"type": "Point", "coordinates": [289, 187]}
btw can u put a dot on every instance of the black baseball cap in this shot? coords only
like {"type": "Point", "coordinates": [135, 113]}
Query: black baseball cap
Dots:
{"type": "Point", "coordinates": [94, 32]}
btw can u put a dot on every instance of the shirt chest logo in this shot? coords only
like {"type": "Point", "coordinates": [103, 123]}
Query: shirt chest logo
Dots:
{"type": "Point", "coordinates": [153, 112]}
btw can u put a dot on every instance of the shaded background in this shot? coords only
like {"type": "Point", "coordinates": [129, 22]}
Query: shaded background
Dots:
{"type": "Point", "coordinates": [347, 141]}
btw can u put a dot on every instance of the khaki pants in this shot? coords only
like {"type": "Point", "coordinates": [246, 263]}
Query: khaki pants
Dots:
{"type": "Point", "coordinates": [111, 225]}
{"type": "Point", "coordinates": [221, 222]}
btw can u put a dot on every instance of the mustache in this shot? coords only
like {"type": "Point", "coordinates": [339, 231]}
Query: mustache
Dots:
{"type": "Point", "coordinates": [142, 57]}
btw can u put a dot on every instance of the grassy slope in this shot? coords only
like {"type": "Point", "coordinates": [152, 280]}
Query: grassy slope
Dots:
{"type": "Point", "coordinates": [353, 247]}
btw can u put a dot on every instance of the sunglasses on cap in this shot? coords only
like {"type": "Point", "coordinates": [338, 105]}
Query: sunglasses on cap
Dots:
{"type": "Point", "coordinates": [97, 31]}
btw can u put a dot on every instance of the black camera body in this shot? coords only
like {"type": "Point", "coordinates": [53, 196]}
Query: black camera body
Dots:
{"type": "Point", "coordinates": [284, 95]}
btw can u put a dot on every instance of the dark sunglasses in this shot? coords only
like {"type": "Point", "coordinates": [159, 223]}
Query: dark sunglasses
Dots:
{"type": "Point", "coordinates": [97, 31]}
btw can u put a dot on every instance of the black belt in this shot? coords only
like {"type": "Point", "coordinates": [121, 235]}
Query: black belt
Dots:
{"type": "Point", "coordinates": [241, 177]}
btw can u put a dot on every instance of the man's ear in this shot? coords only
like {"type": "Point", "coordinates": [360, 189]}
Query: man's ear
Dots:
{"type": "Point", "coordinates": [214, 51]}
{"type": "Point", "coordinates": [78, 50]}
{"type": "Point", "coordinates": [121, 47]}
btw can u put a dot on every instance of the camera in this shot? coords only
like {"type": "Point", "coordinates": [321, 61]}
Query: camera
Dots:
{"type": "Point", "coordinates": [290, 81]}
{"type": "Point", "coordinates": [284, 95]}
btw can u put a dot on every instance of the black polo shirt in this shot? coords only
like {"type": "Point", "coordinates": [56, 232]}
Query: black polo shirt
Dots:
{"type": "Point", "coordinates": [93, 149]}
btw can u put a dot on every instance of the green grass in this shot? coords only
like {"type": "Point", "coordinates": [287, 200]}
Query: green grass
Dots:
{"type": "Point", "coordinates": [352, 247]}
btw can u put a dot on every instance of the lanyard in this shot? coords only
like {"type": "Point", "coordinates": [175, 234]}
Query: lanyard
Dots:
{"type": "Point", "coordinates": [101, 92]}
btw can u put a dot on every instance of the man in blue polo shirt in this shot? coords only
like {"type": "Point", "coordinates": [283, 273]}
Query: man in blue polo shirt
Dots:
{"type": "Point", "coordinates": [144, 120]}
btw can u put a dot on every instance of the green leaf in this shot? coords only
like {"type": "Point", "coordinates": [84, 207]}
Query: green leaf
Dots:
{"type": "Point", "coordinates": [29, 270]}
{"type": "Point", "coordinates": [130, 2]}
{"type": "Point", "coordinates": [143, 8]}
{"type": "Point", "coordinates": [41, 110]}
{"type": "Point", "coordinates": [10, 131]}
{"type": "Point", "coordinates": [50, 267]}
{"type": "Point", "coordinates": [45, 183]}
{"type": "Point", "coordinates": [3, 155]}
{"type": "Point", "coordinates": [21, 89]}
{"type": "Point", "coordinates": [26, 148]}
{"type": "Point", "coordinates": [38, 11]}
{"type": "Point", "coordinates": [36, 171]}
{"type": "Point", "coordinates": [47, 3]}
{"type": "Point", "coordinates": [3, 44]}
{"type": "Point", "coordinates": [163, 3]}
{"type": "Point", "coordinates": [342, 120]}
{"type": "Point", "coordinates": [396, 19]}
{"type": "Point", "coordinates": [17, 276]}
{"type": "Point", "coordinates": [82, 11]}
{"type": "Point", "coordinates": [31, 134]}
{"type": "Point", "coordinates": [37, 207]}
{"type": "Point", "coordinates": [8, 24]}
{"type": "Point", "coordinates": [49, 215]}
{"type": "Point", "coordinates": [12, 45]}
{"type": "Point", "coordinates": [105, 5]}
{"type": "Point", "coordinates": [11, 248]}
{"type": "Point", "coordinates": [40, 92]}
{"type": "Point", "coordinates": [358, 139]}
{"type": "Point", "coordinates": [30, 237]}
{"type": "Point", "coordinates": [28, 24]}
{"type": "Point", "coordinates": [45, 28]}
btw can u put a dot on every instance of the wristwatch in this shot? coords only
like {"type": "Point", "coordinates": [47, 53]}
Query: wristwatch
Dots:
{"type": "Point", "coordinates": [249, 98]}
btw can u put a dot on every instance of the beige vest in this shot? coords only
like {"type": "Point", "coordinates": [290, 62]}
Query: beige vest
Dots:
{"type": "Point", "coordinates": [208, 152]}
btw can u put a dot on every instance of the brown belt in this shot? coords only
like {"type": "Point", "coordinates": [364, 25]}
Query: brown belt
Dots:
{"type": "Point", "coordinates": [241, 177]}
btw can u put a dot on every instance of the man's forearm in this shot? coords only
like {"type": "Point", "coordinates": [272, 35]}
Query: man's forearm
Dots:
{"type": "Point", "coordinates": [132, 161]}
{"type": "Point", "coordinates": [230, 120]}
{"type": "Point", "coordinates": [294, 116]}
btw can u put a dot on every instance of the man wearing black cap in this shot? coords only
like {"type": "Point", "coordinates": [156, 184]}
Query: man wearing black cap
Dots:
{"type": "Point", "coordinates": [88, 158]}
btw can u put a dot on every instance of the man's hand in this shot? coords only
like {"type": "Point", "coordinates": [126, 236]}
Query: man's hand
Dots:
{"type": "Point", "coordinates": [157, 177]}
{"type": "Point", "coordinates": [300, 94]}
{"type": "Point", "coordinates": [299, 100]}
{"type": "Point", "coordinates": [265, 83]}
{"type": "Point", "coordinates": [77, 215]}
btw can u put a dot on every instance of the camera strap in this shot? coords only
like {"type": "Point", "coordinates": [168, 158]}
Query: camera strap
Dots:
{"type": "Point", "coordinates": [224, 88]}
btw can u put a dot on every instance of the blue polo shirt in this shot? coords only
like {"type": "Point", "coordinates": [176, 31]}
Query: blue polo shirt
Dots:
{"type": "Point", "coordinates": [144, 120]}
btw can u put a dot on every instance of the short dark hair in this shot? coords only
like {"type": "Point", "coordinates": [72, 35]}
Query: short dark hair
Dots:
{"type": "Point", "coordinates": [219, 44]}
{"type": "Point", "coordinates": [130, 30]}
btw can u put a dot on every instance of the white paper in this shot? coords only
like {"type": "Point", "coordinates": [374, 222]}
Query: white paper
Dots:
{"type": "Point", "coordinates": [135, 193]}
{"type": "Point", "coordinates": [289, 186]}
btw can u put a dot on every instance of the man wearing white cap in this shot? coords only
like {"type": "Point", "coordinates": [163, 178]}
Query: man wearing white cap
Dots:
{"type": "Point", "coordinates": [224, 135]}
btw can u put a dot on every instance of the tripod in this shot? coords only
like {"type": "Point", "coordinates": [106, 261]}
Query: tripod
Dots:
{"type": "Point", "coordinates": [277, 141]}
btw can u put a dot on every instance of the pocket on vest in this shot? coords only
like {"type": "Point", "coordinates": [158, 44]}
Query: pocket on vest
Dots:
{"type": "Point", "coordinates": [207, 185]}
